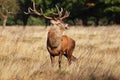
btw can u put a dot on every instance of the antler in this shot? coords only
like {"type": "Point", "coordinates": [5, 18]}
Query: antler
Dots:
{"type": "Point", "coordinates": [45, 15]}
{"type": "Point", "coordinates": [60, 12]}
{"type": "Point", "coordinates": [66, 15]}
{"type": "Point", "coordinates": [33, 11]}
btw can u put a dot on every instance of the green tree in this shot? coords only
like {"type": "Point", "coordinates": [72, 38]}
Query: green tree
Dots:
{"type": "Point", "coordinates": [7, 7]}
{"type": "Point", "coordinates": [88, 11]}
{"type": "Point", "coordinates": [20, 17]}
{"type": "Point", "coordinates": [112, 11]}
{"type": "Point", "coordinates": [24, 5]}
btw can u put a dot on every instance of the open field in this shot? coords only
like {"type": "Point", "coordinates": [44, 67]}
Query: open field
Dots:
{"type": "Point", "coordinates": [23, 54]}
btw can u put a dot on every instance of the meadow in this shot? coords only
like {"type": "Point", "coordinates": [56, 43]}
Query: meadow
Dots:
{"type": "Point", "coordinates": [23, 54]}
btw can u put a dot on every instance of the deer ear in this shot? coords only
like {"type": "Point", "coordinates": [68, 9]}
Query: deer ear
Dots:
{"type": "Point", "coordinates": [66, 25]}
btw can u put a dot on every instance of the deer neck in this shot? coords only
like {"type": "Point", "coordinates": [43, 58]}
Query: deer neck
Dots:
{"type": "Point", "coordinates": [54, 36]}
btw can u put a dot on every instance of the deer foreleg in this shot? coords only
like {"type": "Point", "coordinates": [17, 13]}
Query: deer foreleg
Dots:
{"type": "Point", "coordinates": [60, 58]}
{"type": "Point", "coordinates": [52, 60]}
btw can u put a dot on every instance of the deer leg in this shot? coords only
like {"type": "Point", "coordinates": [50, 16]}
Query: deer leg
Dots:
{"type": "Point", "coordinates": [52, 60]}
{"type": "Point", "coordinates": [69, 55]}
{"type": "Point", "coordinates": [69, 60]}
{"type": "Point", "coordinates": [60, 58]}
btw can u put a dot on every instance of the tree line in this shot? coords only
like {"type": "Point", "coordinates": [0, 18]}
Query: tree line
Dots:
{"type": "Point", "coordinates": [82, 12]}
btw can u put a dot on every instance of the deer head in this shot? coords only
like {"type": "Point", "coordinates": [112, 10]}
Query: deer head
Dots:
{"type": "Point", "coordinates": [55, 21]}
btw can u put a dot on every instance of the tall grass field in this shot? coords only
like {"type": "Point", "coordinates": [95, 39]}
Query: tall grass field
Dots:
{"type": "Point", "coordinates": [24, 56]}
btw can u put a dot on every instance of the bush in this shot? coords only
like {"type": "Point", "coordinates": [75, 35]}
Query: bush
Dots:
{"type": "Point", "coordinates": [35, 21]}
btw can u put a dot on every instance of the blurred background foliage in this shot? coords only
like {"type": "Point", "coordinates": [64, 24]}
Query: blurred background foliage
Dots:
{"type": "Point", "coordinates": [82, 12]}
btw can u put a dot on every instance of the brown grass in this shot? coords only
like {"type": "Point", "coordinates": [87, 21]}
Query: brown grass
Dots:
{"type": "Point", "coordinates": [23, 54]}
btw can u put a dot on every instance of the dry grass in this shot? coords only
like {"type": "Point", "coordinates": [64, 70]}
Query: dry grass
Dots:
{"type": "Point", "coordinates": [23, 54]}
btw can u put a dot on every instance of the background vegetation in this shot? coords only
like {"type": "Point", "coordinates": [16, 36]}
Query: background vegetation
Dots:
{"type": "Point", "coordinates": [83, 12]}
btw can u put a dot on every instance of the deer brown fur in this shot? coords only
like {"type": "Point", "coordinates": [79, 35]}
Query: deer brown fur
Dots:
{"type": "Point", "coordinates": [57, 43]}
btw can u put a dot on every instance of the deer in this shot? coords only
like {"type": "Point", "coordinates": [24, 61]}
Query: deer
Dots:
{"type": "Point", "coordinates": [57, 44]}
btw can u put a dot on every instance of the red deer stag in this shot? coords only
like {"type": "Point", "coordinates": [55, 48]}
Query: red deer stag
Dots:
{"type": "Point", "coordinates": [57, 43]}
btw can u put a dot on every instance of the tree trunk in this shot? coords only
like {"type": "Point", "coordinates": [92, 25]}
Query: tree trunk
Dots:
{"type": "Point", "coordinates": [85, 21]}
{"type": "Point", "coordinates": [4, 20]}
{"type": "Point", "coordinates": [96, 21]}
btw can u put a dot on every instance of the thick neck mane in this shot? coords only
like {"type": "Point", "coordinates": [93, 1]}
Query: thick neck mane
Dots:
{"type": "Point", "coordinates": [54, 36]}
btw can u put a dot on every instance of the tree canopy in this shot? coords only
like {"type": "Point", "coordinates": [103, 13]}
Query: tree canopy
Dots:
{"type": "Point", "coordinates": [85, 12]}
{"type": "Point", "coordinates": [7, 7]}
